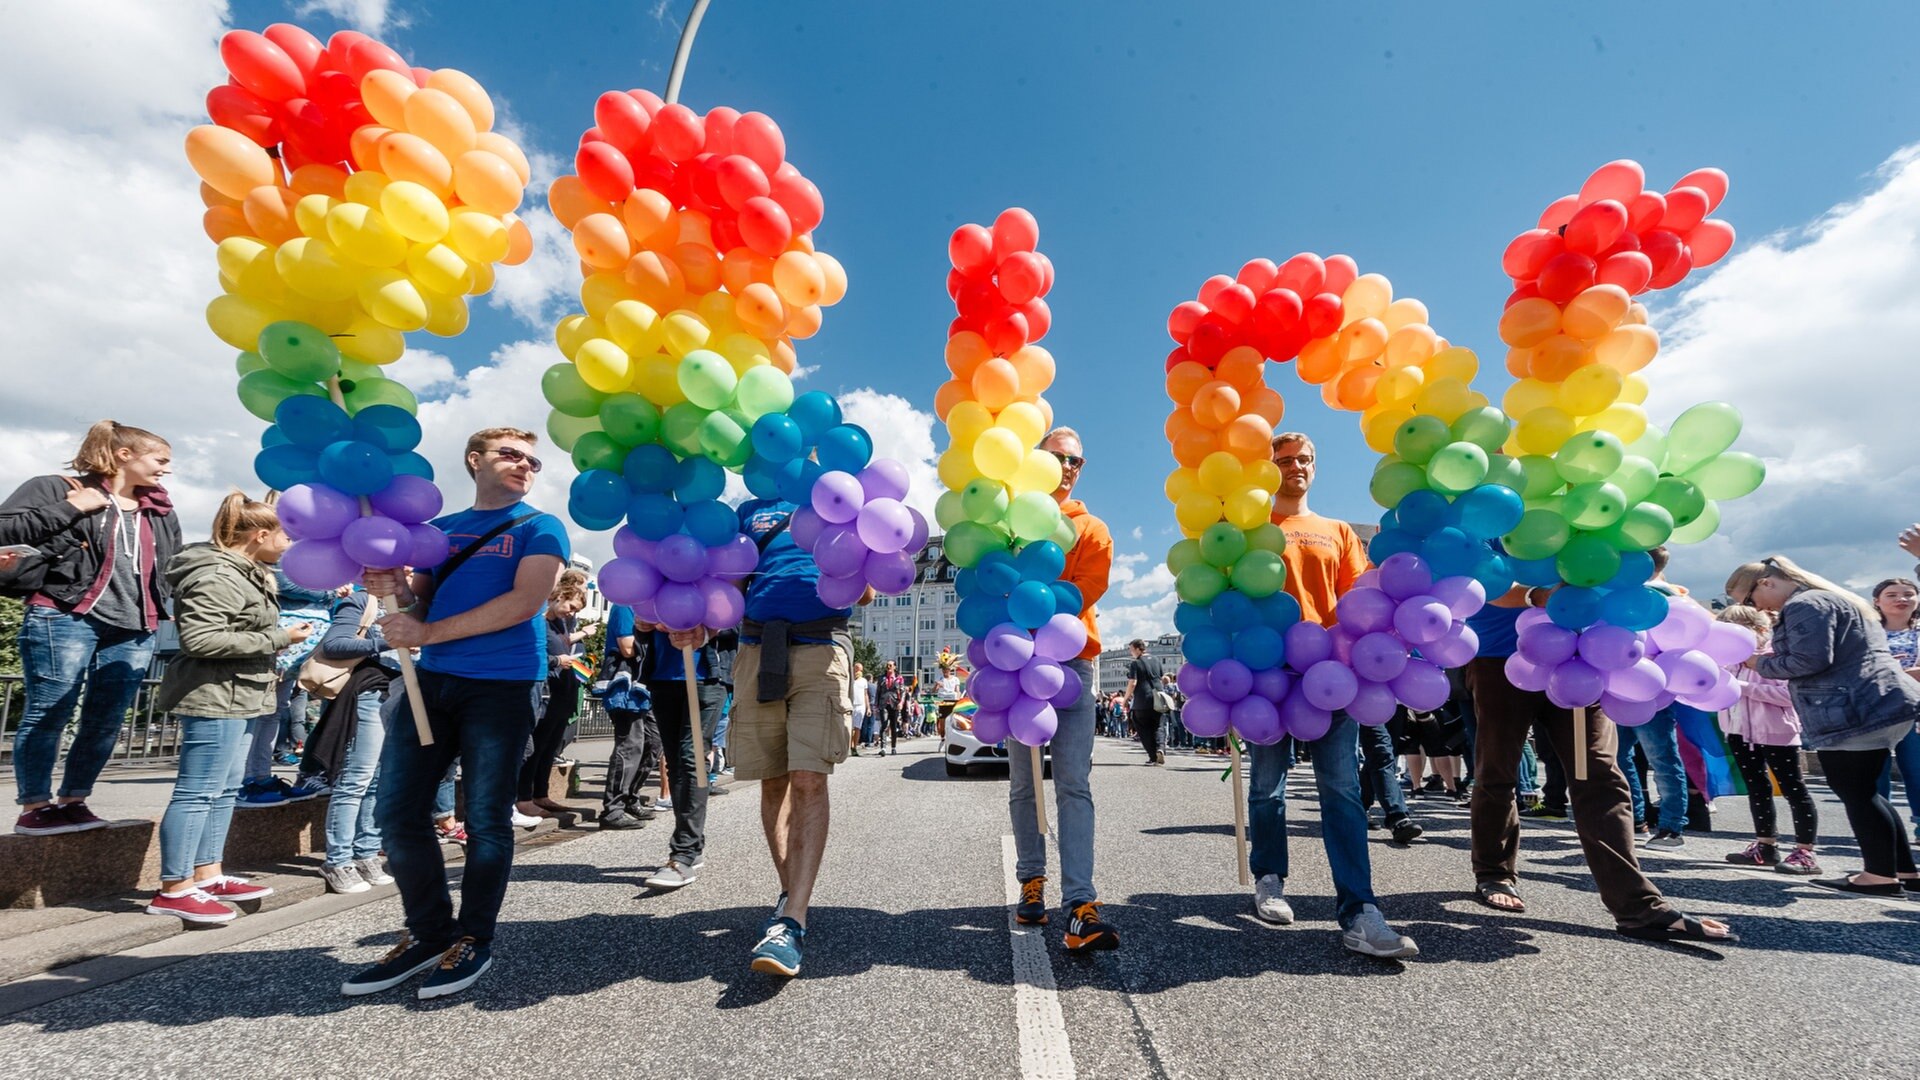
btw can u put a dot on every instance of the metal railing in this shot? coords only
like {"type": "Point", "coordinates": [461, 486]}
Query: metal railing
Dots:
{"type": "Point", "coordinates": [146, 737]}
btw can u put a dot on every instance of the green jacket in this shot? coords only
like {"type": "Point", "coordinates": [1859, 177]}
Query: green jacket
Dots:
{"type": "Point", "coordinates": [229, 620]}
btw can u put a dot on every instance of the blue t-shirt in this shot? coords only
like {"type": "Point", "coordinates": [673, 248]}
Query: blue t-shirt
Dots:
{"type": "Point", "coordinates": [513, 652]}
{"type": "Point", "coordinates": [619, 625]}
{"type": "Point", "coordinates": [1498, 629]}
{"type": "Point", "coordinates": [669, 665]}
{"type": "Point", "coordinates": [784, 585]}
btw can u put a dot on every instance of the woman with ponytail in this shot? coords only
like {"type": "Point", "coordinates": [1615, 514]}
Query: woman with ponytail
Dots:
{"type": "Point", "coordinates": [223, 679]}
{"type": "Point", "coordinates": [95, 593]}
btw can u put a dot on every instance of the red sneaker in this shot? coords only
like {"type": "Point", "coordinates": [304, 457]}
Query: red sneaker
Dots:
{"type": "Point", "coordinates": [234, 890]}
{"type": "Point", "coordinates": [81, 817]}
{"type": "Point", "coordinates": [193, 905]}
{"type": "Point", "coordinates": [48, 820]}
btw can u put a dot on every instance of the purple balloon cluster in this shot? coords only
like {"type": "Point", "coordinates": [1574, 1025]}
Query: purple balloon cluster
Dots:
{"type": "Point", "coordinates": [1020, 679]}
{"type": "Point", "coordinates": [1632, 674]}
{"type": "Point", "coordinates": [678, 582]}
{"type": "Point", "coordinates": [335, 537]}
{"type": "Point", "coordinates": [861, 533]}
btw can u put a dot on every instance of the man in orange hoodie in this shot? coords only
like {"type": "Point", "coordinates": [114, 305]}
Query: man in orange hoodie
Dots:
{"type": "Point", "coordinates": [1088, 566]}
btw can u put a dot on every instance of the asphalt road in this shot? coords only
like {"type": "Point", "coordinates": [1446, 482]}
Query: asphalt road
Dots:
{"type": "Point", "coordinates": [910, 964]}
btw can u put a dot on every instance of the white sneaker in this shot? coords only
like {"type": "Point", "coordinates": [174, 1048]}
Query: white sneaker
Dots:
{"type": "Point", "coordinates": [1268, 904]}
{"type": "Point", "coordinates": [524, 821]}
{"type": "Point", "coordinates": [1371, 935]}
{"type": "Point", "coordinates": [372, 872]}
{"type": "Point", "coordinates": [344, 878]}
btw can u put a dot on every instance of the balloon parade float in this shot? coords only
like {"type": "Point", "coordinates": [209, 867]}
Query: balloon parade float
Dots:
{"type": "Point", "coordinates": [354, 199]}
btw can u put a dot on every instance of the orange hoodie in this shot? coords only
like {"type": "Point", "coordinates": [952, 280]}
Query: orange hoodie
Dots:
{"type": "Point", "coordinates": [1088, 566]}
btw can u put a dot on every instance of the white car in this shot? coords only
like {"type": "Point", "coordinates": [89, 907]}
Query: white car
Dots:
{"type": "Point", "coordinates": [964, 752]}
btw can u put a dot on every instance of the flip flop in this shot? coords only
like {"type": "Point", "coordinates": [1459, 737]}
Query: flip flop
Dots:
{"type": "Point", "coordinates": [1691, 929]}
{"type": "Point", "coordinates": [1487, 890]}
{"type": "Point", "coordinates": [1848, 885]}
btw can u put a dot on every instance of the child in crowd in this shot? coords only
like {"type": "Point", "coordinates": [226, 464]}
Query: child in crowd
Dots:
{"type": "Point", "coordinates": [1763, 733]}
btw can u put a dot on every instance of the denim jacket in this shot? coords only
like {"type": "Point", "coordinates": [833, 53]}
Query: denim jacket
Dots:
{"type": "Point", "coordinates": [1835, 660]}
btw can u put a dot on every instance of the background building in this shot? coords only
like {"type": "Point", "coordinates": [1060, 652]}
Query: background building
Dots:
{"type": "Point", "coordinates": [912, 628]}
{"type": "Point", "coordinates": [1110, 673]}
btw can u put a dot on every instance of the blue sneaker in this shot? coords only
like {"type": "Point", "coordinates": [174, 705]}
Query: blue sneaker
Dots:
{"type": "Point", "coordinates": [779, 951]}
{"type": "Point", "coordinates": [402, 962]}
{"type": "Point", "coordinates": [779, 909]}
{"type": "Point", "coordinates": [255, 794]}
{"type": "Point", "coordinates": [460, 967]}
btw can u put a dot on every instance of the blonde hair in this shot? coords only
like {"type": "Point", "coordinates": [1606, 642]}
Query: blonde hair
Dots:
{"type": "Point", "coordinates": [238, 518]}
{"type": "Point", "coordinates": [1750, 617]}
{"type": "Point", "coordinates": [1779, 566]}
{"type": "Point", "coordinates": [1286, 437]}
{"type": "Point", "coordinates": [477, 442]}
{"type": "Point", "coordinates": [101, 445]}
{"type": "Point", "coordinates": [1063, 432]}
{"type": "Point", "coordinates": [1742, 579]}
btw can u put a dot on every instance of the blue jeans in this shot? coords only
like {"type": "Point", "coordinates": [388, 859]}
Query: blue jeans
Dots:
{"type": "Point", "coordinates": [1528, 782]}
{"type": "Point", "coordinates": [1072, 795]}
{"type": "Point", "coordinates": [443, 796]}
{"type": "Point", "coordinates": [1343, 817]}
{"type": "Point", "coordinates": [352, 830]}
{"type": "Point", "coordinates": [484, 724]}
{"type": "Point", "coordinates": [1659, 739]}
{"type": "Point", "coordinates": [60, 653]}
{"type": "Point", "coordinates": [1906, 754]}
{"type": "Point", "coordinates": [193, 832]}
{"type": "Point", "coordinates": [1382, 772]}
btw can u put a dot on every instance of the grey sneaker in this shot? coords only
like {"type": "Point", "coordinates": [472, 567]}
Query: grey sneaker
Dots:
{"type": "Point", "coordinates": [1667, 840]}
{"type": "Point", "coordinates": [372, 871]}
{"type": "Point", "coordinates": [1268, 903]}
{"type": "Point", "coordinates": [671, 876]}
{"type": "Point", "coordinates": [1371, 935]}
{"type": "Point", "coordinates": [344, 878]}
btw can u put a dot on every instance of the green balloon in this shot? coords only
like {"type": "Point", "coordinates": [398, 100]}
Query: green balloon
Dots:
{"type": "Point", "coordinates": [969, 541]}
{"type": "Point", "coordinates": [1506, 472]}
{"type": "Point", "coordinates": [1728, 475]}
{"type": "Point", "coordinates": [598, 450]}
{"type": "Point", "coordinates": [1267, 536]}
{"type": "Point", "coordinates": [1457, 468]}
{"type": "Point", "coordinates": [566, 431]}
{"type": "Point", "coordinates": [1589, 457]}
{"type": "Point", "coordinates": [1542, 478]}
{"type": "Point", "coordinates": [1199, 585]}
{"type": "Point", "coordinates": [1033, 515]}
{"type": "Point", "coordinates": [762, 390]}
{"type": "Point", "coordinates": [1485, 427]}
{"type": "Point", "coordinates": [1593, 506]}
{"type": "Point", "coordinates": [299, 351]}
{"type": "Point", "coordinates": [1541, 533]}
{"type": "Point", "coordinates": [263, 391]}
{"type": "Point", "coordinates": [1700, 433]}
{"type": "Point", "coordinates": [1222, 544]}
{"type": "Point", "coordinates": [1644, 526]}
{"type": "Point", "coordinates": [352, 370]}
{"type": "Point", "coordinates": [1681, 498]}
{"type": "Point", "coordinates": [630, 418]}
{"type": "Point", "coordinates": [565, 390]}
{"type": "Point", "coordinates": [1555, 503]}
{"type": "Point", "coordinates": [1420, 438]}
{"type": "Point", "coordinates": [1395, 480]}
{"type": "Point", "coordinates": [1700, 527]}
{"type": "Point", "coordinates": [1635, 478]}
{"type": "Point", "coordinates": [1064, 534]}
{"type": "Point", "coordinates": [680, 428]}
{"type": "Point", "coordinates": [707, 379]}
{"type": "Point", "coordinates": [947, 511]}
{"type": "Point", "coordinates": [723, 439]}
{"type": "Point", "coordinates": [1259, 574]}
{"type": "Point", "coordinates": [984, 500]}
{"type": "Point", "coordinates": [248, 361]}
{"type": "Point", "coordinates": [1651, 445]}
{"type": "Point", "coordinates": [1182, 555]}
{"type": "Point", "coordinates": [361, 393]}
{"type": "Point", "coordinates": [1587, 560]}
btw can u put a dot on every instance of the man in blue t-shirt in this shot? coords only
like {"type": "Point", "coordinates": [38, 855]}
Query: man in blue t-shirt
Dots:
{"type": "Point", "coordinates": [636, 737]}
{"type": "Point", "coordinates": [478, 623]}
{"type": "Point", "coordinates": [665, 670]}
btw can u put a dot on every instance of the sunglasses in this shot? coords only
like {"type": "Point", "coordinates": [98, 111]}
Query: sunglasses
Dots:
{"type": "Point", "coordinates": [508, 453]}
{"type": "Point", "coordinates": [1071, 461]}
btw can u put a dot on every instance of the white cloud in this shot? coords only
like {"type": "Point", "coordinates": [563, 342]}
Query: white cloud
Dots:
{"type": "Point", "coordinates": [1138, 533]}
{"type": "Point", "coordinates": [542, 289]}
{"type": "Point", "coordinates": [801, 371]}
{"type": "Point", "coordinates": [425, 372]}
{"type": "Point", "coordinates": [372, 16]}
{"type": "Point", "coordinates": [901, 432]}
{"type": "Point", "coordinates": [1809, 333]}
{"type": "Point", "coordinates": [1156, 581]}
{"type": "Point", "coordinates": [110, 65]}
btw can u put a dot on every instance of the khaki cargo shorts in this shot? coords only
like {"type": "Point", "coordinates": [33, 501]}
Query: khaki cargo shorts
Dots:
{"type": "Point", "coordinates": [807, 732]}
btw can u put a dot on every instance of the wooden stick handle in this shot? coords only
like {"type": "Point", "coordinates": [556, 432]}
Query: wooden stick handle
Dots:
{"type": "Point", "coordinates": [1580, 743]}
{"type": "Point", "coordinates": [411, 678]}
{"type": "Point", "coordinates": [1039, 789]}
{"type": "Point", "coordinates": [688, 662]}
{"type": "Point", "coordinates": [1239, 815]}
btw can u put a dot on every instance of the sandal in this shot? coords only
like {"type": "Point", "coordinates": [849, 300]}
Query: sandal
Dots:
{"type": "Point", "coordinates": [1848, 885]}
{"type": "Point", "coordinates": [1487, 890]}
{"type": "Point", "coordinates": [1691, 929]}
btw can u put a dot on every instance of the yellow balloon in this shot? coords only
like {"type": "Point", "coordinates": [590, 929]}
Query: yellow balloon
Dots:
{"type": "Point", "coordinates": [478, 237]}
{"type": "Point", "coordinates": [1039, 471]}
{"type": "Point", "coordinates": [1248, 508]}
{"type": "Point", "coordinates": [365, 187]}
{"type": "Point", "coordinates": [1444, 398]}
{"type": "Point", "coordinates": [247, 262]}
{"type": "Point", "coordinates": [1590, 389]}
{"type": "Point", "coordinates": [447, 316]}
{"type": "Point", "coordinates": [1197, 510]}
{"type": "Point", "coordinates": [363, 234]}
{"type": "Point", "coordinates": [1023, 418]}
{"type": "Point", "coordinates": [654, 379]}
{"type": "Point", "coordinates": [1399, 386]}
{"type": "Point", "coordinates": [312, 269]}
{"type": "Point", "coordinates": [1220, 473]}
{"type": "Point", "coordinates": [1633, 390]}
{"type": "Point", "coordinates": [574, 330]}
{"type": "Point", "coordinates": [967, 421]}
{"type": "Point", "coordinates": [634, 326]}
{"type": "Point", "coordinates": [392, 299]}
{"type": "Point", "coordinates": [1629, 422]}
{"type": "Point", "coordinates": [1527, 395]}
{"type": "Point", "coordinates": [956, 469]}
{"type": "Point", "coordinates": [997, 453]}
{"type": "Point", "coordinates": [744, 351]}
{"type": "Point", "coordinates": [415, 211]}
{"type": "Point", "coordinates": [1453, 362]}
{"type": "Point", "coordinates": [682, 332]}
{"type": "Point", "coordinates": [604, 366]}
{"type": "Point", "coordinates": [1180, 482]}
{"type": "Point", "coordinates": [1262, 474]}
{"type": "Point", "coordinates": [1544, 430]}
{"type": "Point", "coordinates": [439, 268]}
{"type": "Point", "coordinates": [310, 214]}
{"type": "Point", "coordinates": [600, 291]}
{"type": "Point", "coordinates": [238, 321]}
{"type": "Point", "coordinates": [1379, 428]}
{"type": "Point", "coordinates": [482, 280]}
{"type": "Point", "coordinates": [371, 343]}
{"type": "Point", "coordinates": [1367, 298]}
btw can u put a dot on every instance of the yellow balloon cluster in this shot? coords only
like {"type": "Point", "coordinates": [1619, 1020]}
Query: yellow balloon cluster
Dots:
{"type": "Point", "coordinates": [1578, 367]}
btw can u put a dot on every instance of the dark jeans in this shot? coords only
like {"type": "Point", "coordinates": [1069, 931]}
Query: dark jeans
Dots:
{"type": "Point", "coordinates": [1755, 760]}
{"type": "Point", "coordinates": [549, 736]}
{"type": "Point", "coordinates": [484, 724]}
{"type": "Point", "coordinates": [1147, 723]}
{"type": "Point", "coordinates": [636, 743]}
{"type": "Point", "coordinates": [689, 839]}
{"type": "Point", "coordinates": [1380, 773]}
{"type": "Point", "coordinates": [1854, 775]}
{"type": "Point", "coordinates": [1553, 793]}
{"type": "Point", "coordinates": [1602, 806]}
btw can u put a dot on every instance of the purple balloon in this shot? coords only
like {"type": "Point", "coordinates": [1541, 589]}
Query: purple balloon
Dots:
{"type": "Point", "coordinates": [890, 572]}
{"type": "Point", "coordinates": [1532, 617]}
{"type": "Point", "coordinates": [837, 497]}
{"type": "Point", "coordinates": [427, 547]}
{"type": "Point", "coordinates": [1727, 644]}
{"type": "Point", "coordinates": [1041, 679]}
{"type": "Point", "coordinates": [736, 558]}
{"type": "Point", "coordinates": [1032, 722]}
{"type": "Point", "coordinates": [1343, 638]}
{"type": "Point", "coordinates": [1462, 595]}
{"type": "Point", "coordinates": [1008, 647]}
{"type": "Point", "coordinates": [1271, 683]}
{"type": "Point", "coordinates": [1643, 680]}
{"type": "Point", "coordinates": [840, 552]}
{"type": "Point", "coordinates": [840, 592]}
{"type": "Point", "coordinates": [725, 605]}
{"type": "Point", "coordinates": [1070, 689]}
{"type": "Point", "coordinates": [1421, 619]}
{"type": "Point", "coordinates": [1405, 574]}
{"type": "Point", "coordinates": [1610, 647]}
{"type": "Point", "coordinates": [1365, 610]}
{"type": "Point", "coordinates": [628, 545]}
{"type": "Point", "coordinates": [680, 605]}
{"type": "Point", "coordinates": [1307, 644]}
{"type": "Point", "coordinates": [977, 654]}
{"type": "Point", "coordinates": [1685, 626]}
{"type": "Point", "coordinates": [319, 564]}
{"type": "Point", "coordinates": [1720, 696]}
{"type": "Point", "coordinates": [1575, 683]}
{"type": "Point", "coordinates": [885, 478]}
{"type": "Point", "coordinates": [1455, 648]}
{"type": "Point", "coordinates": [1689, 671]}
{"type": "Point", "coordinates": [1257, 720]}
{"type": "Point", "coordinates": [1627, 713]}
{"type": "Point", "coordinates": [805, 528]}
{"type": "Point", "coordinates": [629, 581]}
{"type": "Point", "coordinates": [378, 543]}
{"type": "Point", "coordinates": [1229, 680]}
{"type": "Point", "coordinates": [1060, 638]}
{"type": "Point", "coordinates": [990, 725]}
{"type": "Point", "coordinates": [646, 611]}
{"type": "Point", "coordinates": [1370, 579]}
{"type": "Point", "coordinates": [885, 525]}
{"type": "Point", "coordinates": [316, 511]}
{"type": "Point", "coordinates": [408, 499]}
{"type": "Point", "coordinates": [1302, 719]}
{"type": "Point", "coordinates": [993, 688]}
{"type": "Point", "coordinates": [1205, 716]}
{"type": "Point", "coordinates": [681, 558]}
{"type": "Point", "coordinates": [1546, 644]}
{"type": "Point", "coordinates": [1422, 686]}
{"type": "Point", "coordinates": [1192, 679]}
{"type": "Point", "coordinates": [1526, 675]}
{"type": "Point", "coordinates": [918, 541]}
{"type": "Point", "coordinates": [1379, 657]}
{"type": "Point", "coordinates": [1329, 685]}
{"type": "Point", "coordinates": [1373, 704]}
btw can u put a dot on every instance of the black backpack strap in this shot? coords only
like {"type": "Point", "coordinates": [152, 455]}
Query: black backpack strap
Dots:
{"type": "Point", "coordinates": [445, 570]}
{"type": "Point", "coordinates": [761, 542]}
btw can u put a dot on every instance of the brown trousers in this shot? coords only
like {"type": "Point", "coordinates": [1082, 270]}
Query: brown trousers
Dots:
{"type": "Point", "coordinates": [1602, 806]}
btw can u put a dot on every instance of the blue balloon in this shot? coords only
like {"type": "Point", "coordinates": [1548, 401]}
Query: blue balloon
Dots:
{"type": "Point", "coordinates": [978, 614]}
{"type": "Point", "coordinates": [1637, 608]}
{"type": "Point", "coordinates": [1187, 618]}
{"type": "Point", "coordinates": [1389, 520]}
{"type": "Point", "coordinates": [1278, 611]}
{"type": "Point", "coordinates": [281, 467]}
{"type": "Point", "coordinates": [762, 479]}
{"type": "Point", "coordinates": [1574, 608]}
{"type": "Point", "coordinates": [1450, 552]}
{"type": "Point", "coordinates": [1488, 511]}
{"type": "Point", "coordinates": [597, 495]}
{"type": "Point", "coordinates": [1067, 598]}
{"type": "Point", "coordinates": [777, 438]}
{"type": "Point", "coordinates": [273, 436]}
{"type": "Point", "coordinates": [1636, 567]}
{"type": "Point", "coordinates": [1233, 612]}
{"type": "Point", "coordinates": [1535, 573]}
{"type": "Point", "coordinates": [965, 582]}
{"type": "Point", "coordinates": [1207, 646]}
{"type": "Point", "coordinates": [1493, 573]}
{"type": "Point", "coordinates": [1390, 542]}
{"type": "Point", "coordinates": [654, 516]}
{"type": "Point", "coordinates": [815, 411]}
{"type": "Point", "coordinates": [996, 578]}
{"type": "Point", "coordinates": [797, 479]}
{"type": "Point", "coordinates": [355, 467]}
{"type": "Point", "coordinates": [698, 480]}
{"type": "Point", "coordinates": [1421, 512]}
{"type": "Point", "coordinates": [410, 463]}
{"type": "Point", "coordinates": [389, 427]}
{"type": "Point", "coordinates": [650, 468]}
{"type": "Point", "coordinates": [1260, 648]}
{"type": "Point", "coordinates": [1041, 560]}
{"type": "Point", "coordinates": [1030, 605]}
{"type": "Point", "coordinates": [313, 422]}
{"type": "Point", "coordinates": [845, 448]}
{"type": "Point", "coordinates": [711, 522]}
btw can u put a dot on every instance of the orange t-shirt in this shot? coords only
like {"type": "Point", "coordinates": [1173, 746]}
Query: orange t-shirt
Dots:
{"type": "Point", "coordinates": [1323, 557]}
{"type": "Point", "coordinates": [1088, 566]}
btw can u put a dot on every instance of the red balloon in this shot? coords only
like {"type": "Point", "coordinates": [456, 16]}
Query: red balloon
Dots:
{"type": "Point", "coordinates": [1321, 313]}
{"type": "Point", "coordinates": [605, 171]}
{"type": "Point", "coordinates": [719, 123]}
{"type": "Point", "coordinates": [1566, 276]}
{"type": "Point", "coordinates": [1631, 270]}
{"type": "Point", "coordinates": [1234, 304]}
{"type": "Point", "coordinates": [1526, 291]}
{"type": "Point", "coordinates": [970, 249]}
{"type": "Point", "coordinates": [334, 91]}
{"type": "Point", "coordinates": [799, 198]}
{"type": "Point", "coordinates": [593, 135]}
{"type": "Point", "coordinates": [338, 46]}
{"type": "Point", "coordinates": [1595, 226]}
{"type": "Point", "coordinates": [1559, 211]}
{"type": "Point", "coordinates": [955, 282]}
{"type": "Point", "coordinates": [764, 226]}
{"type": "Point", "coordinates": [757, 136]}
{"type": "Point", "coordinates": [301, 47]}
{"type": "Point", "coordinates": [1257, 275]}
{"type": "Point", "coordinates": [648, 100]}
{"type": "Point", "coordinates": [244, 111]}
{"type": "Point", "coordinates": [678, 134]}
{"type": "Point", "coordinates": [1278, 312]}
{"type": "Point", "coordinates": [1627, 242]}
{"type": "Point", "coordinates": [1046, 283]}
{"type": "Point", "coordinates": [1663, 248]}
{"type": "Point", "coordinates": [1021, 276]}
{"type": "Point", "coordinates": [703, 173]}
{"type": "Point", "coordinates": [1305, 274]}
{"type": "Point", "coordinates": [1177, 357]}
{"type": "Point", "coordinates": [1711, 182]}
{"type": "Point", "coordinates": [368, 56]}
{"type": "Point", "coordinates": [623, 121]}
{"type": "Point", "coordinates": [1710, 241]}
{"type": "Point", "coordinates": [1686, 207]}
{"type": "Point", "coordinates": [1014, 230]}
{"type": "Point", "coordinates": [1674, 272]}
{"type": "Point", "coordinates": [725, 231]}
{"type": "Point", "coordinates": [1006, 333]}
{"type": "Point", "coordinates": [1185, 316]}
{"type": "Point", "coordinates": [979, 300]}
{"type": "Point", "coordinates": [261, 66]}
{"type": "Point", "coordinates": [1616, 180]}
{"type": "Point", "coordinates": [1342, 271]}
{"type": "Point", "coordinates": [1211, 339]}
{"type": "Point", "coordinates": [739, 179]}
{"type": "Point", "coordinates": [657, 174]}
{"type": "Point", "coordinates": [1210, 289]}
{"type": "Point", "coordinates": [1529, 251]}
{"type": "Point", "coordinates": [421, 75]}
{"type": "Point", "coordinates": [1039, 318]}
{"type": "Point", "coordinates": [315, 132]}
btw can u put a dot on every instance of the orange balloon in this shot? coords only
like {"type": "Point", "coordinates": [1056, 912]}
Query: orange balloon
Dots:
{"type": "Point", "coordinates": [996, 384]}
{"type": "Point", "coordinates": [1319, 360]}
{"type": "Point", "coordinates": [783, 355]}
{"type": "Point", "coordinates": [570, 201]}
{"type": "Point", "coordinates": [1411, 346]}
{"type": "Point", "coordinates": [1530, 322]}
{"type": "Point", "coordinates": [1036, 369]}
{"type": "Point", "coordinates": [1594, 312]}
{"type": "Point", "coordinates": [410, 157]}
{"type": "Point", "coordinates": [648, 214]}
{"type": "Point", "coordinates": [1185, 379]}
{"type": "Point", "coordinates": [700, 265]}
{"type": "Point", "coordinates": [485, 181]}
{"type": "Point", "coordinates": [602, 242]}
{"type": "Point", "coordinates": [1179, 422]}
{"type": "Point", "coordinates": [269, 210]}
{"type": "Point", "coordinates": [385, 95]}
{"type": "Point", "coordinates": [1249, 438]}
{"type": "Point", "coordinates": [222, 222]}
{"type": "Point", "coordinates": [508, 151]}
{"type": "Point", "coordinates": [1242, 366]}
{"type": "Point", "coordinates": [1193, 447]}
{"type": "Point", "coordinates": [467, 92]}
{"type": "Point", "coordinates": [836, 278]}
{"type": "Point", "coordinates": [364, 146]}
{"type": "Point", "coordinates": [736, 269]}
{"type": "Point", "coordinates": [1356, 387]}
{"type": "Point", "coordinates": [1216, 403]}
{"type": "Point", "coordinates": [519, 242]}
{"type": "Point", "coordinates": [1267, 404]}
{"type": "Point", "coordinates": [798, 279]}
{"type": "Point", "coordinates": [228, 160]}
{"type": "Point", "coordinates": [1519, 362]}
{"type": "Point", "coordinates": [328, 180]}
{"type": "Point", "coordinates": [803, 322]}
{"type": "Point", "coordinates": [210, 197]}
{"type": "Point", "coordinates": [435, 116]}
{"type": "Point", "coordinates": [1363, 340]}
{"type": "Point", "coordinates": [1628, 348]}
{"type": "Point", "coordinates": [966, 351]}
{"type": "Point", "coordinates": [1046, 414]}
{"type": "Point", "coordinates": [1558, 357]}
{"type": "Point", "coordinates": [760, 311]}
{"type": "Point", "coordinates": [951, 393]}
{"type": "Point", "coordinates": [656, 280]}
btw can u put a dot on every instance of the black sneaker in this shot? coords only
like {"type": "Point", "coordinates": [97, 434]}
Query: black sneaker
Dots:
{"type": "Point", "coordinates": [1406, 830]}
{"type": "Point", "coordinates": [620, 819]}
{"type": "Point", "coordinates": [402, 962]}
{"type": "Point", "coordinates": [1033, 903]}
{"type": "Point", "coordinates": [460, 967]}
{"type": "Point", "coordinates": [1543, 812]}
{"type": "Point", "coordinates": [1667, 840]}
{"type": "Point", "coordinates": [1085, 931]}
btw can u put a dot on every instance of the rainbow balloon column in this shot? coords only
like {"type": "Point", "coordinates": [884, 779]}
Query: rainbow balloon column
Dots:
{"type": "Point", "coordinates": [695, 240]}
{"type": "Point", "coordinates": [1602, 485]}
{"type": "Point", "coordinates": [1003, 527]}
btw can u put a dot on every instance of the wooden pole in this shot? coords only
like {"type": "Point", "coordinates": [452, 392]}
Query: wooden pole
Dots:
{"type": "Point", "coordinates": [688, 664]}
{"type": "Point", "coordinates": [1039, 789]}
{"type": "Point", "coordinates": [1580, 743]}
{"type": "Point", "coordinates": [1239, 815]}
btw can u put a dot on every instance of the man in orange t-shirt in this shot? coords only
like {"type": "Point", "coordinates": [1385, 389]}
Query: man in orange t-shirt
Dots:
{"type": "Point", "coordinates": [1088, 567]}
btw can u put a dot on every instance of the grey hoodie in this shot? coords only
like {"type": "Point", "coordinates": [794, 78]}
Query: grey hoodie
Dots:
{"type": "Point", "coordinates": [1835, 661]}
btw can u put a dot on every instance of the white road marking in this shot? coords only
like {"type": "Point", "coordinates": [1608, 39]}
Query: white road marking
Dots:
{"type": "Point", "coordinates": [1044, 1051]}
